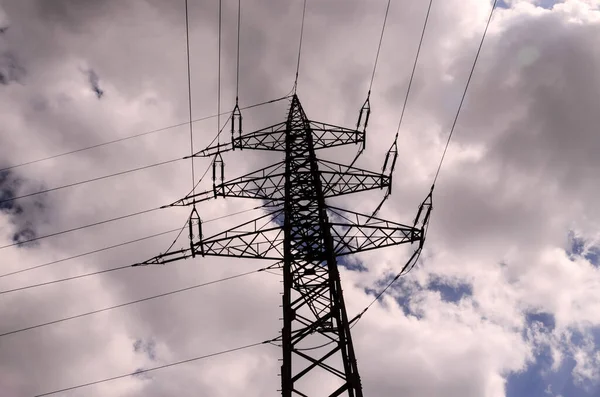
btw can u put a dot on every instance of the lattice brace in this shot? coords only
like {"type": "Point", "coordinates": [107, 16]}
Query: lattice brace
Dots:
{"type": "Point", "coordinates": [338, 179]}
{"type": "Point", "coordinates": [328, 135]}
{"type": "Point", "coordinates": [266, 183]}
{"type": "Point", "coordinates": [354, 232]}
{"type": "Point", "coordinates": [273, 137]}
{"type": "Point", "coordinates": [192, 199]}
{"type": "Point", "coordinates": [315, 331]}
{"type": "Point", "coordinates": [310, 280]}
{"type": "Point", "coordinates": [260, 238]}
{"type": "Point", "coordinates": [269, 138]}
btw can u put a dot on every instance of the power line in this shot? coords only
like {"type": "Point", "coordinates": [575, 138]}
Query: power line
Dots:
{"type": "Point", "coordinates": [97, 223]}
{"type": "Point", "coordinates": [89, 253]}
{"type": "Point", "coordinates": [387, 9]}
{"type": "Point", "coordinates": [178, 235]}
{"type": "Point", "coordinates": [219, 79]}
{"type": "Point", "coordinates": [91, 180]}
{"type": "Point", "coordinates": [186, 222]}
{"type": "Point", "coordinates": [405, 270]}
{"type": "Point", "coordinates": [244, 108]}
{"type": "Point", "coordinates": [300, 47]}
{"type": "Point", "coordinates": [189, 76]}
{"type": "Point", "coordinates": [465, 91]}
{"type": "Point", "coordinates": [105, 249]}
{"type": "Point", "coordinates": [239, 23]}
{"type": "Point", "coordinates": [132, 302]}
{"type": "Point", "coordinates": [156, 368]}
{"type": "Point", "coordinates": [387, 195]}
{"type": "Point", "coordinates": [129, 137]}
{"type": "Point", "coordinates": [65, 279]}
{"type": "Point", "coordinates": [412, 74]}
{"type": "Point", "coordinates": [79, 228]}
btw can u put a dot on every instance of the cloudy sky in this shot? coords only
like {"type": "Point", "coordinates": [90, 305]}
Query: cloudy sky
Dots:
{"type": "Point", "coordinates": [506, 298]}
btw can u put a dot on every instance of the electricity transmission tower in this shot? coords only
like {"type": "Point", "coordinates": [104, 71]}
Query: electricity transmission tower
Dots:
{"type": "Point", "coordinates": [304, 235]}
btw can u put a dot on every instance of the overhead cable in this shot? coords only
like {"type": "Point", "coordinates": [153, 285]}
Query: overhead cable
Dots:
{"type": "Point", "coordinates": [247, 107]}
{"type": "Point", "coordinates": [95, 223]}
{"type": "Point", "coordinates": [142, 371]}
{"type": "Point", "coordinates": [387, 10]}
{"type": "Point", "coordinates": [132, 136]}
{"type": "Point", "coordinates": [416, 255]}
{"type": "Point", "coordinates": [219, 76]}
{"type": "Point", "coordinates": [89, 253]}
{"type": "Point", "coordinates": [104, 249]}
{"type": "Point", "coordinates": [189, 81]}
{"type": "Point", "coordinates": [405, 270]}
{"type": "Point", "coordinates": [79, 228]}
{"type": "Point", "coordinates": [132, 302]}
{"type": "Point", "coordinates": [90, 180]}
{"type": "Point", "coordinates": [465, 92]}
{"type": "Point", "coordinates": [412, 74]}
{"type": "Point", "coordinates": [300, 47]}
{"type": "Point", "coordinates": [64, 279]}
{"type": "Point", "coordinates": [237, 78]}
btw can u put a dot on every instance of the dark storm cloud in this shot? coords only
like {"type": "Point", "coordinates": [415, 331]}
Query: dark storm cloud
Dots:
{"type": "Point", "coordinates": [8, 188]}
{"type": "Point", "coordinates": [21, 217]}
{"type": "Point", "coordinates": [94, 81]}
{"type": "Point", "coordinates": [147, 347]}
{"type": "Point", "coordinates": [10, 69]}
{"type": "Point", "coordinates": [74, 15]}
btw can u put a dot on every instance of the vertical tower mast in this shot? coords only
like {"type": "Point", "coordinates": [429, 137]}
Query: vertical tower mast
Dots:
{"type": "Point", "coordinates": [312, 297]}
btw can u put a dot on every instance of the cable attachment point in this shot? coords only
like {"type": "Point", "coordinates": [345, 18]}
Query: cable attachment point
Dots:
{"type": "Point", "coordinates": [236, 125]}
{"type": "Point", "coordinates": [363, 120]}
{"type": "Point", "coordinates": [390, 160]}
{"type": "Point", "coordinates": [194, 220]}
{"type": "Point", "coordinates": [217, 163]}
{"type": "Point", "coordinates": [423, 214]}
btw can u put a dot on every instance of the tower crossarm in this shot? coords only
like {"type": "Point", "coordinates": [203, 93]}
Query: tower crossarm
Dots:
{"type": "Point", "coordinates": [269, 138]}
{"type": "Point", "coordinates": [266, 184]}
{"type": "Point", "coordinates": [213, 150]}
{"type": "Point", "coordinates": [167, 257]}
{"type": "Point", "coordinates": [339, 179]}
{"type": "Point", "coordinates": [273, 138]}
{"type": "Point", "coordinates": [329, 135]}
{"type": "Point", "coordinates": [259, 238]}
{"type": "Point", "coordinates": [353, 232]}
{"type": "Point", "coordinates": [192, 199]}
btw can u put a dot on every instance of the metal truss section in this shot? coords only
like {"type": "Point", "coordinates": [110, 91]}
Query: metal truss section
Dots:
{"type": "Point", "coordinates": [268, 183]}
{"type": "Point", "coordinates": [274, 137]}
{"type": "Point", "coordinates": [354, 232]}
{"type": "Point", "coordinates": [260, 238]}
{"type": "Point", "coordinates": [339, 179]}
{"type": "Point", "coordinates": [312, 299]}
{"type": "Point", "coordinates": [306, 236]}
{"type": "Point", "coordinates": [328, 135]}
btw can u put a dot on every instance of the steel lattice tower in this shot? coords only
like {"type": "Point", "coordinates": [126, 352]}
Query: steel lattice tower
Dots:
{"type": "Point", "coordinates": [305, 236]}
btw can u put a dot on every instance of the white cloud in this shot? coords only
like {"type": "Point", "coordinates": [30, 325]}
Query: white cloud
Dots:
{"type": "Point", "coordinates": [520, 173]}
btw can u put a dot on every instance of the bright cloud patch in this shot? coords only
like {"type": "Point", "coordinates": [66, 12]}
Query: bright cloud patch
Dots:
{"type": "Point", "coordinates": [498, 306]}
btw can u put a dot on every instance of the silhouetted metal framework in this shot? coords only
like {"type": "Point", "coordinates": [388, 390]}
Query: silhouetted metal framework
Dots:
{"type": "Point", "coordinates": [306, 235]}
